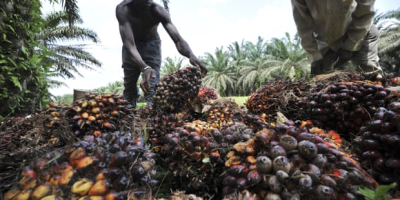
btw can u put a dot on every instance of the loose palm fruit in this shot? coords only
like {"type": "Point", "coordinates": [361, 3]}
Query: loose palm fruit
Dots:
{"type": "Point", "coordinates": [11, 193]}
{"type": "Point", "coordinates": [82, 186]}
{"type": "Point", "coordinates": [100, 188]}
{"type": "Point", "coordinates": [41, 191]}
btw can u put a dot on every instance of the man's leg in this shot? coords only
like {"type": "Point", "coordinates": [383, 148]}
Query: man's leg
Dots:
{"type": "Point", "coordinates": [366, 60]}
{"type": "Point", "coordinates": [131, 91]}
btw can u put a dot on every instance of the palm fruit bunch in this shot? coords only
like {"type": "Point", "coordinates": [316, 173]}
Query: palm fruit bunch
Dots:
{"type": "Point", "coordinates": [175, 91]}
{"type": "Point", "coordinates": [160, 125]}
{"type": "Point", "coordinates": [105, 167]}
{"type": "Point", "coordinates": [378, 146]}
{"type": "Point", "coordinates": [195, 155]}
{"type": "Point", "coordinates": [294, 161]}
{"type": "Point", "coordinates": [96, 114]}
{"type": "Point", "coordinates": [345, 107]}
{"type": "Point", "coordinates": [221, 112]}
{"type": "Point", "coordinates": [284, 96]}
{"type": "Point", "coordinates": [205, 94]}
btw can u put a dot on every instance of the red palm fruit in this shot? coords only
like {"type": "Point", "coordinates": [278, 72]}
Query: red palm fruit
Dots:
{"type": "Point", "coordinates": [118, 159]}
{"type": "Point", "coordinates": [121, 183]}
{"type": "Point", "coordinates": [230, 181]}
{"type": "Point", "coordinates": [253, 177]}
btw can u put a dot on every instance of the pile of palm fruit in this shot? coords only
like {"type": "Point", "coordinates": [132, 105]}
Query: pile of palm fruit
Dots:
{"type": "Point", "coordinates": [341, 106]}
{"type": "Point", "coordinates": [227, 152]}
{"type": "Point", "coordinates": [104, 167]}
{"type": "Point", "coordinates": [96, 114]}
{"type": "Point", "coordinates": [292, 161]}
{"type": "Point", "coordinates": [378, 145]}
{"type": "Point", "coordinates": [205, 94]}
{"type": "Point", "coordinates": [175, 91]}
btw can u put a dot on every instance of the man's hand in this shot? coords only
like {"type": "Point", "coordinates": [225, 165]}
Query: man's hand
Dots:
{"type": "Point", "coordinates": [147, 75]}
{"type": "Point", "coordinates": [344, 56]}
{"type": "Point", "coordinates": [317, 67]}
{"type": "Point", "coordinates": [196, 62]}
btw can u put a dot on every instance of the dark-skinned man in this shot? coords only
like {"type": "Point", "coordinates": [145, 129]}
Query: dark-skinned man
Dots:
{"type": "Point", "coordinates": [334, 32]}
{"type": "Point", "coordinates": [141, 51]}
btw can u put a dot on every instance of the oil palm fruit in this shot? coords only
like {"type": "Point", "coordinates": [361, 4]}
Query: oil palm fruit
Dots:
{"type": "Point", "coordinates": [52, 197]}
{"type": "Point", "coordinates": [100, 188]}
{"type": "Point", "coordinates": [82, 187]}
{"type": "Point", "coordinates": [176, 90]}
{"type": "Point", "coordinates": [377, 147]}
{"type": "Point", "coordinates": [315, 165]}
{"type": "Point", "coordinates": [13, 192]}
{"type": "Point", "coordinates": [41, 191]}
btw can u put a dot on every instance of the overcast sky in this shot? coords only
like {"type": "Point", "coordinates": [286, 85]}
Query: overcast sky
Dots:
{"type": "Point", "coordinates": [204, 24]}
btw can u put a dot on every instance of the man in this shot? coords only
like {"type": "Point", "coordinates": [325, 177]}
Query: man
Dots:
{"type": "Point", "coordinates": [141, 52]}
{"type": "Point", "coordinates": [333, 32]}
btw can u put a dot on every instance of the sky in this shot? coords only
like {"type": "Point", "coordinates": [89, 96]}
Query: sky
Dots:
{"type": "Point", "coordinates": [204, 24]}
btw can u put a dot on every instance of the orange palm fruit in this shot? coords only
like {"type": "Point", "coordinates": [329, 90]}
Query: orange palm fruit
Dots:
{"type": "Point", "coordinates": [77, 154]}
{"type": "Point", "coordinates": [100, 188]}
{"type": "Point", "coordinates": [11, 193]}
{"type": "Point", "coordinates": [84, 162]}
{"type": "Point", "coordinates": [66, 177]}
{"type": "Point", "coordinates": [96, 110]}
{"type": "Point", "coordinates": [91, 118]}
{"type": "Point", "coordinates": [54, 180]}
{"type": "Point", "coordinates": [41, 191]}
{"type": "Point", "coordinates": [85, 115]}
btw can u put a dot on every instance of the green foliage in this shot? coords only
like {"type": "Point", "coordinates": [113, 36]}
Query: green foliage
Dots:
{"type": "Point", "coordinates": [379, 194]}
{"type": "Point", "coordinates": [23, 86]}
{"type": "Point", "coordinates": [65, 99]}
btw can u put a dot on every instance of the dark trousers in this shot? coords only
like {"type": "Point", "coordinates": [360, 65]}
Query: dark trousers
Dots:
{"type": "Point", "coordinates": [150, 51]}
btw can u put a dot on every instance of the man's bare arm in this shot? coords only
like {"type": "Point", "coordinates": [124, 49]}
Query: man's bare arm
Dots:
{"type": "Point", "coordinates": [181, 44]}
{"type": "Point", "coordinates": [128, 39]}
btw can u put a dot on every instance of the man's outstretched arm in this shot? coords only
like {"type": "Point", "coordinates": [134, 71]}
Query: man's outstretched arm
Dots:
{"type": "Point", "coordinates": [181, 45]}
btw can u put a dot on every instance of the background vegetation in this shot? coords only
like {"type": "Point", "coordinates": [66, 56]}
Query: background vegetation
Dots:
{"type": "Point", "coordinates": [31, 59]}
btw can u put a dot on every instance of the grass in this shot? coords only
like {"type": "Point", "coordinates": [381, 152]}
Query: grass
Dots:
{"type": "Point", "coordinates": [241, 101]}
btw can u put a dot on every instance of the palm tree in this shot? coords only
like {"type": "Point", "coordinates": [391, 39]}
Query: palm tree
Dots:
{"type": "Point", "coordinates": [221, 75]}
{"type": "Point", "coordinates": [389, 42]}
{"type": "Point", "coordinates": [257, 50]}
{"type": "Point", "coordinates": [389, 25]}
{"type": "Point", "coordinates": [72, 10]}
{"type": "Point", "coordinates": [292, 57]}
{"type": "Point", "coordinates": [254, 72]}
{"type": "Point", "coordinates": [66, 59]}
{"type": "Point", "coordinates": [171, 65]}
